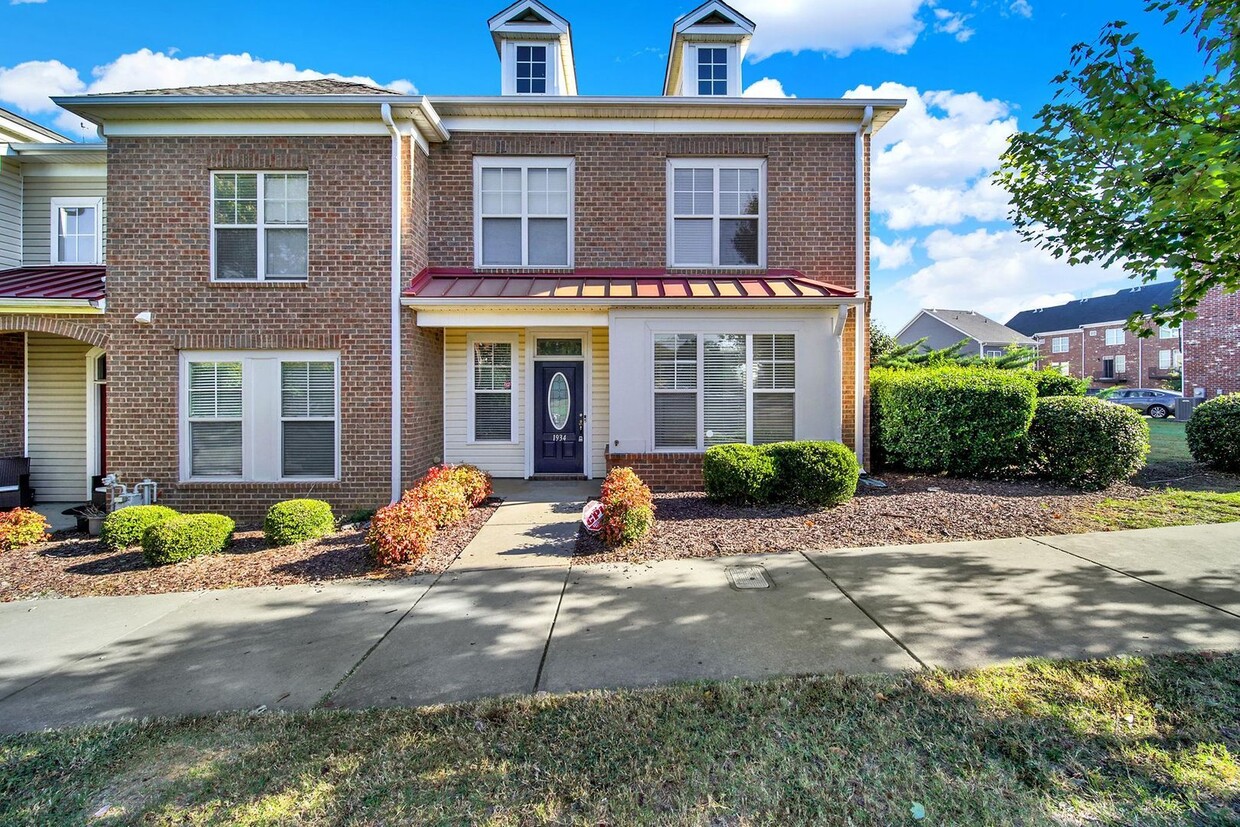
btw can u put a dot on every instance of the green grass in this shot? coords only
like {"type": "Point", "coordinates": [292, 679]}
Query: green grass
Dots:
{"type": "Point", "coordinates": [1123, 741]}
{"type": "Point", "coordinates": [1170, 507]}
{"type": "Point", "coordinates": [1167, 442]}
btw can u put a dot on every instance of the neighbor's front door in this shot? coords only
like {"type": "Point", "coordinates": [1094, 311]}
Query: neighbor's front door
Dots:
{"type": "Point", "coordinates": [559, 427]}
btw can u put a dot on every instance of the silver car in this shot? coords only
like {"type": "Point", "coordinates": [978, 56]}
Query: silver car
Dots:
{"type": "Point", "coordinates": [1155, 402]}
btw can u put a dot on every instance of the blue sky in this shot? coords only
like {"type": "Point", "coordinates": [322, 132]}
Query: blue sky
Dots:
{"type": "Point", "coordinates": [973, 70]}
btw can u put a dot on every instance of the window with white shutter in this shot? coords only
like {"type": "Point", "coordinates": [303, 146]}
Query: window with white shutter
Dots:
{"type": "Point", "coordinates": [215, 423]}
{"type": "Point", "coordinates": [308, 417]}
{"type": "Point", "coordinates": [716, 212]}
{"type": "Point", "coordinates": [491, 390]}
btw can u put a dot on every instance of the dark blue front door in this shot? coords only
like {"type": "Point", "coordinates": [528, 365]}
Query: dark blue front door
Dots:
{"type": "Point", "coordinates": [559, 430]}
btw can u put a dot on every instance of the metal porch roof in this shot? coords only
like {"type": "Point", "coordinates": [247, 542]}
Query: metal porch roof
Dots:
{"type": "Point", "coordinates": [53, 282]}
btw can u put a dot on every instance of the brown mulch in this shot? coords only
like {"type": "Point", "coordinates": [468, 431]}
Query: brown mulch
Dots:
{"type": "Point", "coordinates": [74, 565]}
{"type": "Point", "coordinates": [915, 509]}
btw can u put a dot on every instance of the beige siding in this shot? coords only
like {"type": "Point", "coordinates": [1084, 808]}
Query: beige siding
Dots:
{"type": "Point", "coordinates": [600, 407]}
{"type": "Point", "coordinates": [37, 212]}
{"type": "Point", "coordinates": [501, 459]}
{"type": "Point", "coordinates": [10, 213]}
{"type": "Point", "coordinates": [56, 399]}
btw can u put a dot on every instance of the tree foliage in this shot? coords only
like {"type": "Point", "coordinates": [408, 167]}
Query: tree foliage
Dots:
{"type": "Point", "coordinates": [881, 342]}
{"type": "Point", "coordinates": [1126, 168]}
{"type": "Point", "coordinates": [918, 355]}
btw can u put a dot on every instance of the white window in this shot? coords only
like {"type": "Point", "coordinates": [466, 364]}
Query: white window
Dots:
{"type": "Point", "coordinates": [1166, 332]}
{"type": "Point", "coordinates": [531, 69]}
{"type": "Point", "coordinates": [1169, 359]}
{"type": "Point", "coordinates": [1121, 363]}
{"type": "Point", "coordinates": [718, 388]}
{"type": "Point", "coordinates": [716, 212]}
{"type": "Point", "coordinates": [77, 231]}
{"type": "Point", "coordinates": [260, 226]}
{"type": "Point", "coordinates": [523, 212]}
{"type": "Point", "coordinates": [492, 410]}
{"type": "Point", "coordinates": [1063, 367]}
{"type": "Point", "coordinates": [1115, 335]}
{"type": "Point", "coordinates": [1059, 344]}
{"type": "Point", "coordinates": [992, 353]}
{"type": "Point", "coordinates": [712, 70]}
{"type": "Point", "coordinates": [260, 415]}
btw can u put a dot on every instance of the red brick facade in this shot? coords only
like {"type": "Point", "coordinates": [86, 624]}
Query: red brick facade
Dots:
{"type": "Point", "coordinates": [1088, 351]}
{"type": "Point", "coordinates": [1212, 346]}
{"type": "Point", "coordinates": [12, 394]}
{"type": "Point", "coordinates": [663, 471]}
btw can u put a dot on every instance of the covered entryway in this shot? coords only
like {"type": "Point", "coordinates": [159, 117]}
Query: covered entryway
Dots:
{"type": "Point", "coordinates": [559, 407]}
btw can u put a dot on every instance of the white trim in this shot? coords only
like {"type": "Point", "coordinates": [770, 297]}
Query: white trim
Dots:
{"type": "Point", "coordinates": [1067, 340]}
{"type": "Point", "coordinates": [77, 307]}
{"type": "Point", "coordinates": [689, 80]}
{"type": "Point", "coordinates": [93, 425]}
{"type": "Point", "coordinates": [490, 338]}
{"type": "Point", "coordinates": [261, 415]}
{"type": "Point", "coordinates": [25, 394]}
{"type": "Point", "coordinates": [525, 164]}
{"type": "Point", "coordinates": [715, 164]}
{"type": "Point", "coordinates": [508, 67]}
{"type": "Point", "coordinates": [260, 226]}
{"type": "Point", "coordinates": [646, 126]}
{"type": "Point", "coordinates": [60, 203]}
{"type": "Point", "coordinates": [587, 362]}
{"type": "Point", "coordinates": [541, 304]}
{"type": "Point", "coordinates": [1123, 322]}
{"type": "Point", "coordinates": [79, 171]}
{"type": "Point", "coordinates": [395, 286]}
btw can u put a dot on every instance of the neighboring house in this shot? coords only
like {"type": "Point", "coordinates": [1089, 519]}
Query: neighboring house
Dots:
{"type": "Point", "coordinates": [1088, 338]}
{"type": "Point", "coordinates": [1212, 346]}
{"type": "Point", "coordinates": [943, 328]}
{"type": "Point", "coordinates": [319, 288]}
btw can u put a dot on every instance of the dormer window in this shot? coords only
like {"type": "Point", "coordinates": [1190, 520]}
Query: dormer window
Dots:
{"type": "Point", "coordinates": [712, 70]}
{"type": "Point", "coordinates": [531, 70]}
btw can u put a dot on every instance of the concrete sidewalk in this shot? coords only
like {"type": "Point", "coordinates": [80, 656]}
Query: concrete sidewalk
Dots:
{"type": "Point", "coordinates": [484, 628]}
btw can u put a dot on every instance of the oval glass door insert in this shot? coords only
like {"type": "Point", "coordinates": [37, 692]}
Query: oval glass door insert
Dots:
{"type": "Point", "coordinates": [559, 401]}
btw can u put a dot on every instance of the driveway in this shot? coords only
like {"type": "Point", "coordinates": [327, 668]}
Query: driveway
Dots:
{"type": "Point", "coordinates": [541, 624]}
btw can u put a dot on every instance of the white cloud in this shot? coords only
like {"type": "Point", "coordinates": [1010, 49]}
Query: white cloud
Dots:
{"type": "Point", "coordinates": [30, 85]}
{"type": "Point", "coordinates": [890, 256]}
{"type": "Point", "coordinates": [932, 163]}
{"type": "Point", "coordinates": [1021, 8]}
{"type": "Point", "coordinates": [953, 23]}
{"type": "Point", "coordinates": [838, 28]}
{"type": "Point", "coordinates": [766, 88]}
{"type": "Point", "coordinates": [24, 2]}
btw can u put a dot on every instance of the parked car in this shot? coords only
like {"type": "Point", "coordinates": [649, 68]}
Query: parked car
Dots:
{"type": "Point", "coordinates": [1155, 402]}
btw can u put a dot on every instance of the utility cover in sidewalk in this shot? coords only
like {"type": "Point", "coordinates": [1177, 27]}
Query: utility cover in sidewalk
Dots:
{"type": "Point", "coordinates": [748, 577]}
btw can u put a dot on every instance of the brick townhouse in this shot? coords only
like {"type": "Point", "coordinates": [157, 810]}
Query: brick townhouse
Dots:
{"type": "Point", "coordinates": [319, 288]}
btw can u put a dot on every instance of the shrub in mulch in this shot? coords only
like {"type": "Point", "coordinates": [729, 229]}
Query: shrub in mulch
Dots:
{"type": "Point", "coordinates": [296, 521]}
{"type": "Point", "coordinates": [1213, 432]}
{"type": "Point", "coordinates": [1086, 443]}
{"type": "Point", "coordinates": [475, 481]}
{"type": "Point", "coordinates": [628, 507]}
{"type": "Point", "coordinates": [124, 528]}
{"type": "Point", "coordinates": [21, 527]}
{"type": "Point", "coordinates": [400, 533]}
{"type": "Point", "coordinates": [443, 497]}
{"type": "Point", "coordinates": [186, 536]}
{"type": "Point", "coordinates": [739, 474]}
{"type": "Point", "coordinates": [814, 472]}
{"type": "Point", "coordinates": [1050, 382]}
{"type": "Point", "coordinates": [960, 421]}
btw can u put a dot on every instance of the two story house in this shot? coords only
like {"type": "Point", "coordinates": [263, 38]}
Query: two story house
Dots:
{"type": "Point", "coordinates": [982, 335]}
{"type": "Point", "coordinates": [319, 288]}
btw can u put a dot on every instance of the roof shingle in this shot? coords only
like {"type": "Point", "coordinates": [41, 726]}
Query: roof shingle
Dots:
{"type": "Point", "coordinates": [978, 327]}
{"type": "Point", "coordinates": [1110, 308]}
{"type": "Point", "coordinates": [316, 86]}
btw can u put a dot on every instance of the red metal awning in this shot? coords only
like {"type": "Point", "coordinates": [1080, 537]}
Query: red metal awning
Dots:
{"type": "Point", "coordinates": [445, 284]}
{"type": "Point", "coordinates": [53, 282]}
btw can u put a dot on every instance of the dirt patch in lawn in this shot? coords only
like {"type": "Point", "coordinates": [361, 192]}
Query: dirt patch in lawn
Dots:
{"type": "Point", "coordinates": [75, 565]}
{"type": "Point", "coordinates": [914, 509]}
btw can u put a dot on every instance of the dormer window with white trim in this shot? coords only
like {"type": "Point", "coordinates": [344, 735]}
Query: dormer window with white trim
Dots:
{"type": "Point", "coordinates": [535, 49]}
{"type": "Point", "coordinates": [708, 45]}
{"type": "Point", "coordinates": [531, 69]}
{"type": "Point", "coordinates": [712, 70]}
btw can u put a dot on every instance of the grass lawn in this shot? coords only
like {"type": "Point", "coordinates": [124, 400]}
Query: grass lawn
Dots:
{"type": "Point", "coordinates": [1170, 507]}
{"type": "Point", "coordinates": [1167, 442]}
{"type": "Point", "coordinates": [1123, 741]}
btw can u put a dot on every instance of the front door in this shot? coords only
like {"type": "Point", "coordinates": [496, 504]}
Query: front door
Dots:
{"type": "Point", "coordinates": [559, 426]}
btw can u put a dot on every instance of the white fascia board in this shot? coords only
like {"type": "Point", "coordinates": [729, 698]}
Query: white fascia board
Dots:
{"type": "Point", "coordinates": [76, 307]}
{"type": "Point", "coordinates": [543, 306]}
{"type": "Point", "coordinates": [1110, 323]}
{"type": "Point", "coordinates": [648, 126]}
{"type": "Point", "coordinates": [1073, 331]}
{"type": "Point", "coordinates": [242, 128]}
{"type": "Point", "coordinates": [99, 170]}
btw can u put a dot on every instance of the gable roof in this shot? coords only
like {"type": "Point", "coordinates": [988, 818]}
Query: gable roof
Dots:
{"type": "Point", "coordinates": [315, 86]}
{"type": "Point", "coordinates": [16, 129]}
{"type": "Point", "coordinates": [1110, 308]}
{"type": "Point", "coordinates": [975, 326]}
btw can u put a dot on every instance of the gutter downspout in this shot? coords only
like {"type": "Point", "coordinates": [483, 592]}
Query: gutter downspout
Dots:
{"type": "Point", "coordinates": [385, 111]}
{"type": "Point", "coordinates": [861, 345]}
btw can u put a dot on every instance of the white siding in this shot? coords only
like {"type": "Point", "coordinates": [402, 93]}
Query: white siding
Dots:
{"type": "Point", "coordinates": [600, 412]}
{"type": "Point", "coordinates": [56, 426]}
{"type": "Point", "coordinates": [505, 459]}
{"type": "Point", "coordinates": [10, 213]}
{"type": "Point", "coordinates": [37, 212]}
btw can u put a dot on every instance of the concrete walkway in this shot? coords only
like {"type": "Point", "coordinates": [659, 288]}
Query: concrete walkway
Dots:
{"type": "Point", "coordinates": [513, 616]}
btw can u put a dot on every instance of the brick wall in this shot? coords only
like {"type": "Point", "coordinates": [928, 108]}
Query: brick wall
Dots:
{"type": "Point", "coordinates": [12, 394]}
{"type": "Point", "coordinates": [159, 261]}
{"type": "Point", "coordinates": [663, 472]}
{"type": "Point", "coordinates": [1212, 346]}
{"type": "Point", "coordinates": [1140, 355]}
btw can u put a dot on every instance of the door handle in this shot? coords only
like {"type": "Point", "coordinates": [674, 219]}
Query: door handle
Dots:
{"type": "Point", "coordinates": [581, 421]}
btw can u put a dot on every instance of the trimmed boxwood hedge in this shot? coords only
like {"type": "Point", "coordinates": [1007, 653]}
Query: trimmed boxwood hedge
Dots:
{"type": "Point", "coordinates": [962, 421]}
{"type": "Point", "coordinates": [296, 521]}
{"type": "Point", "coordinates": [1050, 382]}
{"type": "Point", "coordinates": [814, 472]}
{"type": "Point", "coordinates": [1213, 432]}
{"type": "Point", "coordinates": [124, 528]}
{"type": "Point", "coordinates": [186, 536]}
{"type": "Point", "coordinates": [1087, 443]}
{"type": "Point", "coordinates": [739, 474]}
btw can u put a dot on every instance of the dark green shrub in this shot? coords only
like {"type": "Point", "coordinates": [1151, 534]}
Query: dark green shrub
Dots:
{"type": "Point", "coordinates": [1050, 382]}
{"type": "Point", "coordinates": [1086, 443]}
{"type": "Point", "coordinates": [125, 527]}
{"type": "Point", "coordinates": [295, 521]}
{"type": "Point", "coordinates": [739, 474]}
{"type": "Point", "coordinates": [1213, 432]}
{"type": "Point", "coordinates": [186, 536]}
{"type": "Point", "coordinates": [816, 473]}
{"type": "Point", "coordinates": [964, 421]}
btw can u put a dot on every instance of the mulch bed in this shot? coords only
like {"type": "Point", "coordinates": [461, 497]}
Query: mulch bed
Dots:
{"type": "Point", "coordinates": [915, 509]}
{"type": "Point", "coordinates": [75, 565]}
